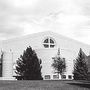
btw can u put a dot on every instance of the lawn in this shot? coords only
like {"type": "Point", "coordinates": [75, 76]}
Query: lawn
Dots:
{"type": "Point", "coordinates": [44, 85]}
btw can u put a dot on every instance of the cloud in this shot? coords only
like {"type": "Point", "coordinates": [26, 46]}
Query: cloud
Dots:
{"type": "Point", "coordinates": [16, 15]}
{"type": "Point", "coordinates": [11, 19]}
{"type": "Point", "coordinates": [68, 17]}
{"type": "Point", "coordinates": [84, 5]}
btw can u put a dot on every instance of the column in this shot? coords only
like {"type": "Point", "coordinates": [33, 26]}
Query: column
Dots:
{"type": "Point", "coordinates": [7, 66]}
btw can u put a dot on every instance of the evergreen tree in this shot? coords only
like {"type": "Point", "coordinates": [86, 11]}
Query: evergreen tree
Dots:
{"type": "Point", "coordinates": [59, 64]}
{"type": "Point", "coordinates": [80, 66]}
{"type": "Point", "coordinates": [1, 59]}
{"type": "Point", "coordinates": [29, 66]}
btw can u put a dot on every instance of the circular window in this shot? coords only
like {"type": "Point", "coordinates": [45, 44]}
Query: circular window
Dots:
{"type": "Point", "coordinates": [49, 42]}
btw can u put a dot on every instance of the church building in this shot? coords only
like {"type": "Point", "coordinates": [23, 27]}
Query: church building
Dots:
{"type": "Point", "coordinates": [46, 45]}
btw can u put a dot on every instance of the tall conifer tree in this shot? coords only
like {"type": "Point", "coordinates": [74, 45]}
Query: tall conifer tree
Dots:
{"type": "Point", "coordinates": [29, 66]}
{"type": "Point", "coordinates": [80, 66]}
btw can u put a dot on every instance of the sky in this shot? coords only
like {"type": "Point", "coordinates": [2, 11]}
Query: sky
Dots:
{"type": "Point", "coordinates": [70, 18]}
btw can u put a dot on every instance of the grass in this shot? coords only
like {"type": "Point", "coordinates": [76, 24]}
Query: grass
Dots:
{"type": "Point", "coordinates": [44, 85]}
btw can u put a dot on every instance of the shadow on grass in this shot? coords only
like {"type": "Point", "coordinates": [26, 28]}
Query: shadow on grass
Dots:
{"type": "Point", "coordinates": [84, 85]}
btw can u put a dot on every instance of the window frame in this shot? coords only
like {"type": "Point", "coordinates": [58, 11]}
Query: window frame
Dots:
{"type": "Point", "coordinates": [49, 44]}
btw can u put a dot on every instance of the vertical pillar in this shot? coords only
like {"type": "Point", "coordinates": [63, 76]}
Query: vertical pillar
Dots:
{"type": "Point", "coordinates": [7, 69]}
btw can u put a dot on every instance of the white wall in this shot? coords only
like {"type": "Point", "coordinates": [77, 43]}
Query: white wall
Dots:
{"type": "Point", "coordinates": [69, 49]}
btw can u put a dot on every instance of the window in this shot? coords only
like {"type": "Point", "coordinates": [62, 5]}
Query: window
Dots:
{"type": "Point", "coordinates": [55, 76]}
{"type": "Point", "coordinates": [46, 46]}
{"type": "Point", "coordinates": [46, 41]}
{"type": "Point", "coordinates": [69, 76]}
{"type": "Point", "coordinates": [52, 46]}
{"type": "Point", "coordinates": [47, 76]}
{"type": "Point", "coordinates": [49, 42]}
{"type": "Point", "coordinates": [63, 76]}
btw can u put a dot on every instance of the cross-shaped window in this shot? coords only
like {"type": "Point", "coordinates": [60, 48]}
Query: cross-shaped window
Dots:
{"type": "Point", "coordinates": [49, 43]}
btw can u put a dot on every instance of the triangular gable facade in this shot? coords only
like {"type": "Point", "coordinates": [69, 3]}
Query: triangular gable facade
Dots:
{"type": "Point", "coordinates": [46, 45]}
